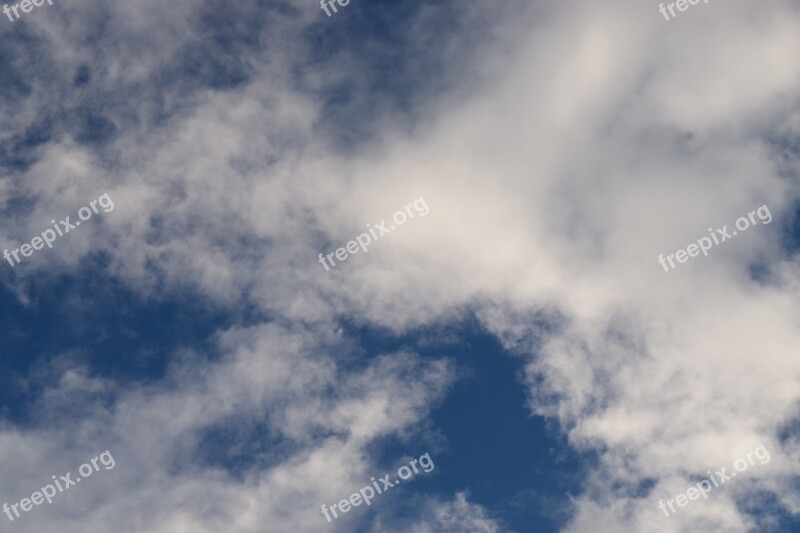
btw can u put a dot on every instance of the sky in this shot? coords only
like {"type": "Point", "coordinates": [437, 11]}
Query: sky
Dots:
{"type": "Point", "coordinates": [535, 264]}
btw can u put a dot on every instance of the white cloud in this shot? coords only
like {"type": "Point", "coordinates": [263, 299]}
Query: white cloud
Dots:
{"type": "Point", "coordinates": [553, 185]}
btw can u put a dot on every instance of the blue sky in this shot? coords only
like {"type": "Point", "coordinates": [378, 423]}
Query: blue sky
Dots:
{"type": "Point", "coordinates": [520, 330]}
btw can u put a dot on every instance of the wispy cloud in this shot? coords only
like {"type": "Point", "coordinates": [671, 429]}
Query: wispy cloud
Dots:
{"type": "Point", "coordinates": [563, 147]}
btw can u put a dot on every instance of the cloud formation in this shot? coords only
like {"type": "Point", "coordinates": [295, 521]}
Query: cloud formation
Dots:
{"type": "Point", "coordinates": [560, 149]}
